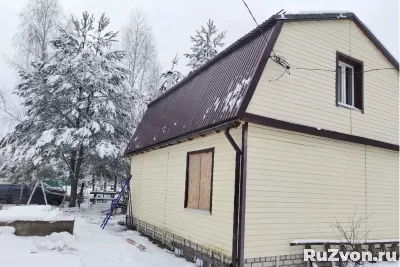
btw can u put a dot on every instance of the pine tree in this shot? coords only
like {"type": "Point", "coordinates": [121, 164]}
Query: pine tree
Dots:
{"type": "Point", "coordinates": [205, 45]}
{"type": "Point", "coordinates": [78, 103]}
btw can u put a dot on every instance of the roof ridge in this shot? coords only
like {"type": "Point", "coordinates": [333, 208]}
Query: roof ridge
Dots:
{"type": "Point", "coordinates": [196, 104]}
{"type": "Point", "coordinates": [270, 22]}
{"type": "Point", "coordinates": [238, 43]}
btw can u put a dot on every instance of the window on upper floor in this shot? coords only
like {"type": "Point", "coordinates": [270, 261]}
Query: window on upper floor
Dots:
{"type": "Point", "coordinates": [199, 173]}
{"type": "Point", "coordinates": [349, 82]}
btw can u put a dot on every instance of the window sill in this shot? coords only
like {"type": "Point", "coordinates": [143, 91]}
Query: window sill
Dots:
{"type": "Point", "coordinates": [205, 212]}
{"type": "Point", "coordinates": [348, 106]}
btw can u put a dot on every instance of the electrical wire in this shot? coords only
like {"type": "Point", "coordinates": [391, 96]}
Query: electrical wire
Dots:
{"type": "Point", "coordinates": [286, 66]}
{"type": "Point", "coordinates": [244, 2]}
{"type": "Point", "coordinates": [331, 70]}
{"type": "Point", "coordinates": [326, 70]}
{"type": "Point", "coordinates": [279, 60]}
{"type": "Point", "coordinates": [262, 33]}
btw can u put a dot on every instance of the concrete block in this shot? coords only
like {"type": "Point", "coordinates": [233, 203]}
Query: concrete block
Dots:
{"type": "Point", "coordinates": [269, 258]}
{"type": "Point", "coordinates": [268, 264]}
{"type": "Point", "coordinates": [287, 262]}
{"type": "Point", "coordinates": [40, 228]}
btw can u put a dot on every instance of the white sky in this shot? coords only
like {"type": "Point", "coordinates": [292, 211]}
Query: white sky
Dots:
{"type": "Point", "coordinates": [173, 21]}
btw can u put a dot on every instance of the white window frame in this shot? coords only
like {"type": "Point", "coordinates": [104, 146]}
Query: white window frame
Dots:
{"type": "Point", "coordinates": [342, 102]}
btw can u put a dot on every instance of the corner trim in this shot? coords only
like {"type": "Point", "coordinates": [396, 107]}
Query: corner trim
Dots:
{"type": "Point", "coordinates": [265, 121]}
{"type": "Point", "coordinates": [269, 45]}
{"type": "Point", "coordinates": [376, 42]}
{"type": "Point", "coordinates": [345, 16]}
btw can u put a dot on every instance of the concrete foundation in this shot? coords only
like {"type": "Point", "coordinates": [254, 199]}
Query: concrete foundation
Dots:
{"type": "Point", "coordinates": [40, 228]}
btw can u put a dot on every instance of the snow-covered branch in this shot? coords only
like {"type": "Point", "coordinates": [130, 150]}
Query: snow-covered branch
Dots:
{"type": "Point", "coordinates": [206, 43]}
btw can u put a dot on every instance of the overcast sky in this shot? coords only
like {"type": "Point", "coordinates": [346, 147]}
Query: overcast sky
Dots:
{"type": "Point", "coordinates": [173, 21]}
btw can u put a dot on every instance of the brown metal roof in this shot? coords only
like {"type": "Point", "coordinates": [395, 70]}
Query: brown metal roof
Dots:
{"type": "Point", "coordinates": [208, 97]}
{"type": "Point", "coordinates": [219, 92]}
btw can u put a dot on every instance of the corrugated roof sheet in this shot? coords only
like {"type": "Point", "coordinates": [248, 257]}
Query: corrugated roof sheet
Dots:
{"type": "Point", "coordinates": [218, 92]}
{"type": "Point", "coordinates": [209, 96]}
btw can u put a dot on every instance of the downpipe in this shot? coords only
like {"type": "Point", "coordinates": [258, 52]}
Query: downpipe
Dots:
{"type": "Point", "coordinates": [236, 198]}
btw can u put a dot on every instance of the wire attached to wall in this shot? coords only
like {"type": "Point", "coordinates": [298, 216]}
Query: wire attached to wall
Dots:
{"type": "Point", "coordinates": [285, 65]}
{"type": "Point", "coordinates": [279, 60]}
{"type": "Point", "coordinates": [332, 70]}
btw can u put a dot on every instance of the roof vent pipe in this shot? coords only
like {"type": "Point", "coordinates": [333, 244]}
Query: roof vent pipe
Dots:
{"type": "Point", "coordinates": [169, 79]}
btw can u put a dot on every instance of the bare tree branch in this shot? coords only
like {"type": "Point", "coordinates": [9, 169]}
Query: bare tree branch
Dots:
{"type": "Point", "coordinates": [39, 22]}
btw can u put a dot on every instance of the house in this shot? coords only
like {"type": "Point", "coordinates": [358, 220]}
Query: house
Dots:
{"type": "Point", "coordinates": [293, 126]}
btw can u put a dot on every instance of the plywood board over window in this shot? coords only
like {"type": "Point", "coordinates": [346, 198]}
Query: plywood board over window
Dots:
{"type": "Point", "coordinates": [199, 176]}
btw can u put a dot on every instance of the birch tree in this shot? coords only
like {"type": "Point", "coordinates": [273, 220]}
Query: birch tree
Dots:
{"type": "Point", "coordinates": [141, 56]}
{"type": "Point", "coordinates": [39, 24]}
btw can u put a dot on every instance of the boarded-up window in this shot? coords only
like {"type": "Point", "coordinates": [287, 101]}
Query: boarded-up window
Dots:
{"type": "Point", "coordinates": [199, 173]}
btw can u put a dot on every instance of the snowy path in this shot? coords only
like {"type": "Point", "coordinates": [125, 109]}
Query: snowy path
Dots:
{"type": "Point", "coordinates": [89, 247]}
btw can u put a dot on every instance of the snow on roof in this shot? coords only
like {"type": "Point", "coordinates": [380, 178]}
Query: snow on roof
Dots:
{"type": "Point", "coordinates": [211, 95]}
{"type": "Point", "coordinates": [210, 86]}
{"type": "Point", "coordinates": [320, 12]}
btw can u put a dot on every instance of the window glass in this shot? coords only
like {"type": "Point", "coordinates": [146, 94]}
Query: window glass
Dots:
{"type": "Point", "coordinates": [340, 82]}
{"type": "Point", "coordinates": [349, 86]}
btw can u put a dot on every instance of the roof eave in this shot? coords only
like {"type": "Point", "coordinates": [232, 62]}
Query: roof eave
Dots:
{"type": "Point", "coordinates": [230, 123]}
{"type": "Point", "coordinates": [279, 20]}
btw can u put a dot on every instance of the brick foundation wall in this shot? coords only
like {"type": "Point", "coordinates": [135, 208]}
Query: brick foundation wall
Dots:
{"type": "Point", "coordinates": [192, 251]}
{"type": "Point", "coordinates": [181, 247]}
{"type": "Point", "coordinates": [295, 260]}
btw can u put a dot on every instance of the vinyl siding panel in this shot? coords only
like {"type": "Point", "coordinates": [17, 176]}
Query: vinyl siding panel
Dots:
{"type": "Point", "coordinates": [308, 97]}
{"type": "Point", "coordinates": [153, 184]}
{"type": "Point", "coordinates": [160, 200]}
{"type": "Point", "coordinates": [297, 185]}
{"type": "Point", "coordinates": [135, 185]}
{"type": "Point", "coordinates": [383, 192]}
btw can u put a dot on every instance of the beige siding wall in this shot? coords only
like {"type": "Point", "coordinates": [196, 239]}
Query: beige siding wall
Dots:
{"type": "Point", "coordinates": [158, 191]}
{"type": "Point", "coordinates": [309, 97]}
{"type": "Point", "coordinates": [383, 191]}
{"type": "Point", "coordinates": [298, 184]}
{"type": "Point", "coordinates": [136, 181]}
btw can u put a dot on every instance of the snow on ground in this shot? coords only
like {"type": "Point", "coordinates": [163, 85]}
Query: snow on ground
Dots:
{"type": "Point", "coordinates": [33, 213]}
{"type": "Point", "coordinates": [90, 246]}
